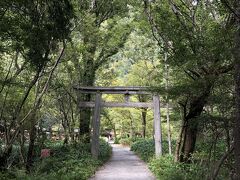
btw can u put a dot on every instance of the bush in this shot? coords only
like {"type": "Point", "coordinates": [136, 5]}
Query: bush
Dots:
{"type": "Point", "coordinates": [144, 148]}
{"type": "Point", "coordinates": [116, 141]}
{"type": "Point", "coordinates": [105, 151]}
{"type": "Point", "coordinates": [128, 141]}
{"type": "Point", "coordinates": [125, 141]}
{"type": "Point", "coordinates": [165, 168]}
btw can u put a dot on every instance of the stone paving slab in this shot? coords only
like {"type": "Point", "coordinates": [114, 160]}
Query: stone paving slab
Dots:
{"type": "Point", "coordinates": [123, 165]}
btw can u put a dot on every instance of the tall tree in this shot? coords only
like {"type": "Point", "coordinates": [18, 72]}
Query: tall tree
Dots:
{"type": "Point", "coordinates": [32, 30]}
{"type": "Point", "coordinates": [195, 36]}
{"type": "Point", "coordinates": [102, 31]}
{"type": "Point", "coordinates": [235, 10]}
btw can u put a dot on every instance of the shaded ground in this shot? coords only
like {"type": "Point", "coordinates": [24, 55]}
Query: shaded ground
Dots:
{"type": "Point", "coordinates": [123, 165]}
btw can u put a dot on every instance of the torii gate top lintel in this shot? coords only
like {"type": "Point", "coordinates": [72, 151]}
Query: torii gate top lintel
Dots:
{"type": "Point", "coordinates": [127, 91]}
{"type": "Point", "coordinates": [115, 90]}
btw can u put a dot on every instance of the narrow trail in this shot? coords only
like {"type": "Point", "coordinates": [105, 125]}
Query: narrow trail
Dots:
{"type": "Point", "coordinates": [123, 165]}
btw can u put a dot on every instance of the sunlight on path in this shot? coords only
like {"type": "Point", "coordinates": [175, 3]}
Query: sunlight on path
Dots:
{"type": "Point", "coordinates": [123, 165]}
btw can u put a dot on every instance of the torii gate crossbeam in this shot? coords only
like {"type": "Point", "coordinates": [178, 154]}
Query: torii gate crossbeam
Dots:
{"type": "Point", "coordinates": [98, 104]}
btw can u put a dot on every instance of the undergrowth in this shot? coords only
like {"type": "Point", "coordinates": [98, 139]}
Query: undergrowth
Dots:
{"type": "Point", "coordinates": [68, 162]}
{"type": "Point", "coordinates": [164, 168]}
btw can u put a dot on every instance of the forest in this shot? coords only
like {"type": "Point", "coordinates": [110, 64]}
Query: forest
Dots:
{"type": "Point", "coordinates": [186, 51]}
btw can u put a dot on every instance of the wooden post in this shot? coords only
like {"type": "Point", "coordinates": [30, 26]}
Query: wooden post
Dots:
{"type": "Point", "coordinates": [157, 126]}
{"type": "Point", "coordinates": [96, 126]}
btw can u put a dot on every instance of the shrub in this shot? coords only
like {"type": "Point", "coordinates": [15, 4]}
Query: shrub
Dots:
{"type": "Point", "coordinates": [116, 140]}
{"type": "Point", "coordinates": [105, 151]}
{"type": "Point", "coordinates": [125, 141]}
{"type": "Point", "coordinates": [144, 148]}
{"type": "Point", "coordinates": [128, 141]}
{"type": "Point", "coordinates": [164, 168]}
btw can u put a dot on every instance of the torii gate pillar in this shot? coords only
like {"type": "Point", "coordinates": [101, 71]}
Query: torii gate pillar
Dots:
{"type": "Point", "coordinates": [96, 126]}
{"type": "Point", "coordinates": [157, 126]}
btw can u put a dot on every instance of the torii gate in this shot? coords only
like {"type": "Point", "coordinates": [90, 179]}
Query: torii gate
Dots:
{"type": "Point", "coordinates": [98, 104]}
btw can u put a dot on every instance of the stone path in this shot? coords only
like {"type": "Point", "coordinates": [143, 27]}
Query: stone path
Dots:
{"type": "Point", "coordinates": [123, 165]}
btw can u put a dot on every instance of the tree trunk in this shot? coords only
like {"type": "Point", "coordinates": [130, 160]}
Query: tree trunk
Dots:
{"type": "Point", "coordinates": [30, 154]}
{"type": "Point", "coordinates": [85, 113]}
{"type": "Point", "coordinates": [236, 127]}
{"type": "Point", "coordinates": [178, 144]}
{"type": "Point", "coordinates": [143, 98]}
{"type": "Point", "coordinates": [181, 134]}
{"type": "Point", "coordinates": [65, 123]}
{"type": "Point", "coordinates": [227, 131]}
{"type": "Point", "coordinates": [22, 142]}
{"type": "Point", "coordinates": [4, 157]}
{"type": "Point", "coordinates": [144, 117]}
{"type": "Point", "coordinates": [167, 103]}
{"type": "Point", "coordinates": [72, 125]}
{"type": "Point", "coordinates": [85, 119]}
{"type": "Point", "coordinates": [189, 141]}
{"type": "Point", "coordinates": [131, 128]}
{"type": "Point", "coordinates": [219, 164]}
{"type": "Point", "coordinates": [169, 130]}
{"type": "Point", "coordinates": [114, 132]}
{"type": "Point", "coordinates": [191, 124]}
{"type": "Point", "coordinates": [66, 136]}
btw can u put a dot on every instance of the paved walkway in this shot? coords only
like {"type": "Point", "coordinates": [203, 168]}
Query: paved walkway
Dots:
{"type": "Point", "coordinates": [123, 165]}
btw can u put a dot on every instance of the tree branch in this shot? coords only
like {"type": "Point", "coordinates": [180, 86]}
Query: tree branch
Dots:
{"type": "Point", "coordinates": [220, 162]}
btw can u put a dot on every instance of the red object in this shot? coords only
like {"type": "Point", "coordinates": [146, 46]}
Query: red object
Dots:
{"type": "Point", "coordinates": [45, 153]}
